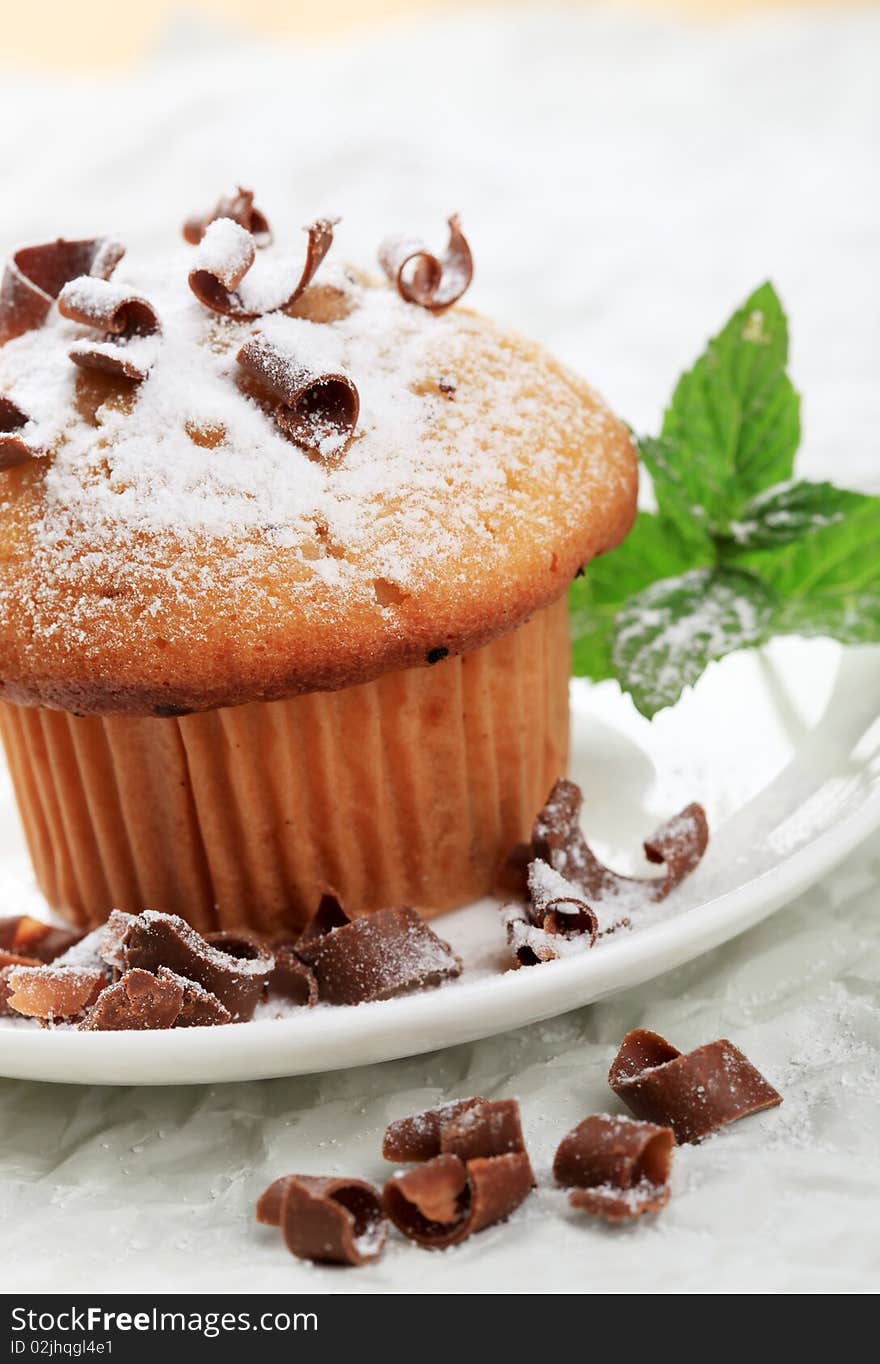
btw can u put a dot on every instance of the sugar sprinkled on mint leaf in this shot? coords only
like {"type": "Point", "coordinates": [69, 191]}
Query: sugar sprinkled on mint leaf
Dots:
{"type": "Point", "coordinates": [738, 550]}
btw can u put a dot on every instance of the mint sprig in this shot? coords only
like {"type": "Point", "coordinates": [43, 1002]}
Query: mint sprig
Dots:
{"type": "Point", "coordinates": [738, 550]}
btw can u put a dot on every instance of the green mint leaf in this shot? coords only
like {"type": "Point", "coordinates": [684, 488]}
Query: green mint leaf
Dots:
{"type": "Point", "coordinates": [828, 582]}
{"type": "Point", "coordinates": [665, 636]}
{"type": "Point", "coordinates": [653, 549]}
{"type": "Point", "coordinates": [788, 512]}
{"type": "Point", "coordinates": [733, 425]}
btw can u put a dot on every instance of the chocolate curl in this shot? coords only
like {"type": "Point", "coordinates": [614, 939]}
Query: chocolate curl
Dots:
{"type": "Point", "coordinates": [226, 254]}
{"type": "Point", "coordinates": [35, 276]}
{"type": "Point", "coordinates": [430, 281]}
{"type": "Point", "coordinates": [35, 939]}
{"type": "Point", "coordinates": [199, 1008]}
{"type": "Point", "coordinates": [317, 411]}
{"type": "Point", "coordinates": [329, 915]}
{"type": "Point", "coordinates": [52, 992]}
{"type": "Point", "coordinates": [619, 1169]}
{"type": "Point", "coordinates": [292, 979]}
{"type": "Point", "coordinates": [694, 1093]}
{"type": "Point", "coordinates": [385, 954]}
{"type": "Point", "coordinates": [13, 448]}
{"type": "Point", "coordinates": [443, 1202]}
{"type": "Point", "coordinates": [328, 1221]}
{"type": "Point", "coordinates": [468, 1128]}
{"type": "Point", "coordinates": [240, 208]}
{"type": "Point", "coordinates": [122, 316]}
{"type": "Point", "coordinates": [140, 1001]}
{"type": "Point", "coordinates": [151, 940]}
{"type": "Point", "coordinates": [557, 839]}
{"type": "Point", "coordinates": [555, 916]}
{"type": "Point", "coordinates": [417, 1138]}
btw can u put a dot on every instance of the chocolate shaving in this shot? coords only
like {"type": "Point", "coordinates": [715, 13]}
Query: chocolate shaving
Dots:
{"type": "Point", "coordinates": [226, 254]}
{"type": "Point", "coordinates": [432, 282]}
{"type": "Point", "coordinates": [695, 1093]}
{"type": "Point", "coordinates": [137, 1002]}
{"type": "Point", "coordinates": [619, 1169]}
{"type": "Point", "coordinates": [291, 978]}
{"type": "Point", "coordinates": [53, 992]}
{"type": "Point", "coordinates": [29, 937]}
{"type": "Point", "coordinates": [385, 954]}
{"type": "Point", "coordinates": [199, 1008]}
{"type": "Point", "coordinates": [14, 449]}
{"type": "Point", "coordinates": [326, 1220]}
{"type": "Point", "coordinates": [557, 838]}
{"type": "Point", "coordinates": [448, 1199]}
{"type": "Point", "coordinates": [329, 915]}
{"type": "Point", "coordinates": [35, 276]}
{"type": "Point", "coordinates": [467, 1128]}
{"type": "Point", "coordinates": [123, 317]}
{"type": "Point", "coordinates": [417, 1138]}
{"type": "Point", "coordinates": [317, 411]}
{"type": "Point", "coordinates": [151, 940]}
{"type": "Point", "coordinates": [240, 208]}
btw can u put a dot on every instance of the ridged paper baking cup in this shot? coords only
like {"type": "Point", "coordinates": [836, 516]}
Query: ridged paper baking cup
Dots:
{"type": "Point", "coordinates": [406, 790]}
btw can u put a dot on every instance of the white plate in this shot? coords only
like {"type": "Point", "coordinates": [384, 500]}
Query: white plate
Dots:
{"type": "Point", "coordinates": [782, 747]}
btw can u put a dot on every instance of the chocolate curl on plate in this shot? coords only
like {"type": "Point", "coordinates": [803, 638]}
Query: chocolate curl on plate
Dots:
{"type": "Point", "coordinates": [125, 318]}
{"type": "Point", "coordinates": [52, 992]}
{"type": "Point", "coordinates": [694, 1093]}
{"type": "Point", "coordinates": [557, 838]}
{"type": "Point", "coordinates": [14, 449]}
{"type": "Point", "coordinates": [226, 254]}
{"type": "Point", "coordinates": [448, 1199]}
{"type": "Point", "coordinates": [556, 918]}
{"type": "Point", "coordinates": [432, 282]}
{"type": "Point", "coordinates": [240, 208]}
{"type": "Point", "coordinates": [22, 935]}
{"type": "Point", "coordinates": [385, 954]}
{"type": "Point", "coordinates": [151, 940]}
{"type": "Point", "coordinates": [137, 1002]}
{"type": "Point", "coordinates": [328, 1221]}
{"type": "Point", "coordinates": [329, 915]}
{"type": "Point", "coordinates": [618, 1169]}
{"type": "Point", "coordinates": [291, 979]}
{"type": "Point", "coordinates": [35, 276]}
{"type": "Point", "coordinates": [317, 411]}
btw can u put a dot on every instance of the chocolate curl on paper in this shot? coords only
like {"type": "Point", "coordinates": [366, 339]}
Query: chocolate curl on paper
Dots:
{"type": "Point", "coordinates": [123, 317]}
{"type": "Point", "coordinates": [35, 276]}
{"type": "Point", "coordinates": [618, 1169]}
{"type": "Point", "coordinates": [694, 1093]}
{"type": "Point", "coordinates": [448, 1199]}
{"type": "Point", "coordinates": [557, 838]}
{"type": "Point", "coordinates": [328, 1221]}
{"type": "Point", "coordinates": [226, 254]}
{"type": "Point", "coordinates": [14, 449]}
{"type": "Point", "coordinates": [52, 992]}
{"type": "Point", "coordinates": [467, 1128]}
{"type": "Point", "coordinates": [432, 282]}
{"type": "Point", "coordinates": [151, 940]}
{"type": "Point", "coordinates": [22, 935]}
{"type": "Point", "coordinates": [241, 209]}
{"type": "Point", "coordinates": [317, 411]}
{"type": "Point", "coordinates": [385, 954]}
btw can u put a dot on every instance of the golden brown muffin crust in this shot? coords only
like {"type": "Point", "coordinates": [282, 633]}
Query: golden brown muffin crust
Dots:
{"type": "Point", "coordinates": [139, 572]}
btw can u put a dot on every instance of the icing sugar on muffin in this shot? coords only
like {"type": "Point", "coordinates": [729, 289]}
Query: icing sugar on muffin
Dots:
{"type": "Point", "coordinates": [284, 553]}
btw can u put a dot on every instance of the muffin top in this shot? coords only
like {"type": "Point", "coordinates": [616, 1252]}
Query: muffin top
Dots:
{"type": "Point", "coordinates": [212, 509]}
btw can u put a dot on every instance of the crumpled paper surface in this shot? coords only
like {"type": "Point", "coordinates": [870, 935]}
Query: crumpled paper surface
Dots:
{"type": "Point", "coordinates": [671, 168]}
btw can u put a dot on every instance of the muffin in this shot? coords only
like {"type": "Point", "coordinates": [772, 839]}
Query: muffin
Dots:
{"type": "Point", "coordinates": [284, 554]}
